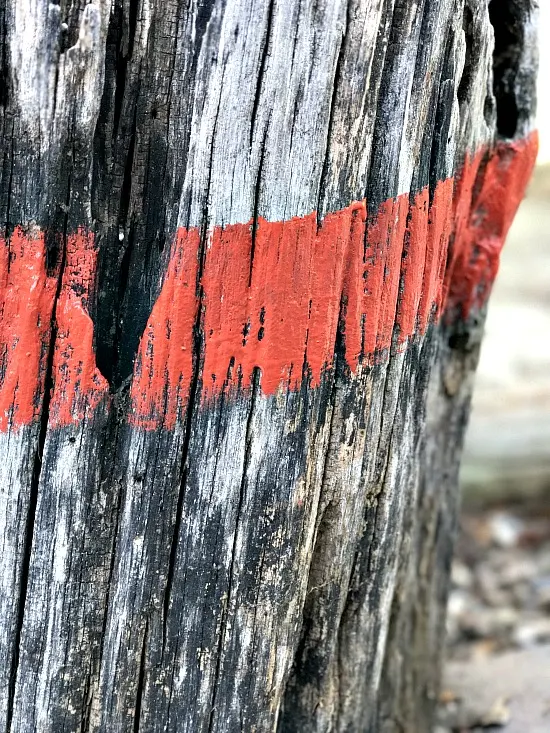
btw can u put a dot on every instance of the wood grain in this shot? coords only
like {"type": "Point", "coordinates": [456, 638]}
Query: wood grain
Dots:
{"type": "Point", "coordinates": [272, 554]}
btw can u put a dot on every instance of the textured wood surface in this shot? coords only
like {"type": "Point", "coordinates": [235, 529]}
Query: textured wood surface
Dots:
{"type": "Point", "coordinates": [247, 247]}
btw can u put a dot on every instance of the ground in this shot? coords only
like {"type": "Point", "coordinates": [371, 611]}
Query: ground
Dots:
{"type": "Point", "coordinates": [498, 671]}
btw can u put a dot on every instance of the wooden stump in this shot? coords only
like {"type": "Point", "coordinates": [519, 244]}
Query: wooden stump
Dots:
{"type": "Point", "coordinates": [246, 256]}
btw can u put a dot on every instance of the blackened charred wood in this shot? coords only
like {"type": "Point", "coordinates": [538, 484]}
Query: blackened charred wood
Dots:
{"type": "Point", "coordinates": [245, 258]}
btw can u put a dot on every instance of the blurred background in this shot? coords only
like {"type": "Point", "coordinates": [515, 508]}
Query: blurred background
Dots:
{"type": "Point", "coordinates": [498, 669]}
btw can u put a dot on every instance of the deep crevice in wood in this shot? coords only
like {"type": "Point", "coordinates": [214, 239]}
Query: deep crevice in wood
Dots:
{"type": "Point", "coordinates": [154, 114]}
{"type": "Point", "coordinates": [261, 72]}
{"type": "Point", "coordinates": [506, 17]}
{"type": "Point", "coordinates": [437, 137]}
{"type": "Point", "coordinates": [142, 672]}
{"type": "Point", "coordinates": [56, 79]}
{"type": "Point", "coordinates": [119, 366]}
{"type": "Point", "coordinates": [8, 227]}
{"type": "Point", "coordinates": [123, 59]}
{"type": "Point", "coordinates": [335, 90]}
{"type": "Point", "coordinates": [302, 670]}
{"type": "Point", "coordinates": [177, 526]}
{"type": "Point", "coordinates": [256, 206]}
{"type": "Point", "coordinates": [465, 84]}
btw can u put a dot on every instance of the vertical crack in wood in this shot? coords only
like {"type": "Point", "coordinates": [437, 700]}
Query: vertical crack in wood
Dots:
{"type": "Point", "coordinates": [254, 394]}
{"type": "Point", "coordinates": [306, 341]}
{"type": "Point", "coordinates": [467, 79]}
{"type": "Point", "coordinates": [256, 209]}
{"type": "Point", "coordinates": [438, 137]}
{"type": "Point", "coordinates": [125, 49]}
{"type": "Point", "coordinates": [324, 505]}
{"type": "Point", "coordinates": [262, 69]}
{"type": "Point", "coordinates": [117, 371]}
{"type": "Point", "coordinates": [56, 78]}
{"type": "Point", "coordinates": [141, 679]}
{"type": "Point", "coordinates": [179, 513]}
{"type": "Point", "coordinates": [120, 364]}
{"type": "Point", "coordinates": [87, 698]}
{"type": "Point", "coordinates": [194, 389]}
{"type": "Point", "coordinates": [10, 189]}
{"type": "Point", "coordinates": [115, 148]}
{"type": "Point", "coordinates": [114, 545]}
{"type": "Point", "coordinates": [332, 109]}
{"type": "Point", "coordinates": [255, 107]}
{"type": "Point", "coordinates": [168, 116]}
{"type": "Point", "coordinates": [509, 35]}
{"type": "Point", "coordinates": [37, 468]}
{"type": "Point", "coordinates": [339, 365]}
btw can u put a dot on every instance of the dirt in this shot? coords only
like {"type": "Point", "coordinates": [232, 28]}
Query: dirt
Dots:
{"type": "Point", "coordinates": [498, 669]}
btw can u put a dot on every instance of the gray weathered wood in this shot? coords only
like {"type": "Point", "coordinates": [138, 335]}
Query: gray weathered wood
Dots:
{"type": "Point", "coordinates": [265, 561]}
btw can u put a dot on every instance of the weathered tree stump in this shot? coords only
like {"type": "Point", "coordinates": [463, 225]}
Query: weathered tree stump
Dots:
{"type": "Point", "coordinates": [247, 247]}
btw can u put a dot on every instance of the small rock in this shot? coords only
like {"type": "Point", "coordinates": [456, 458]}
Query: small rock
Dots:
{"type": "Point", "coordinates": [523, 595]}
{"type": "Point", "coordinates": [544, 561]}
{"type": "Point", "coordinates": [489, 587]}
{"type": "Point", "coordinates": [483, 623]}
{"type": "Point", "coordinates": [536, 533]}
{"type": "Point", "coordinates": [533, 632]}
{"type": "Point", "coordinates": [483, 649]}
{"type": "Point", "coordinates": [505, 529]}
{"type": "Point", "coordinates": [542, 590]}
{"type": "Point", "coordinates": [447, 696]}
{"type": "Point", "coordinates": [499, 714]}
{"type": "Point", "coordinates": [461, 575]}
{"type": "Point", "coordinates": [458, 603]}
{"type": "Point", "coordinates": [517, 570]}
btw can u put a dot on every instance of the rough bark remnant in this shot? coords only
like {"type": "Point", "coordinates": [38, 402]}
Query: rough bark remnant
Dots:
{"type": "Point", "coordinates": [245, 257]}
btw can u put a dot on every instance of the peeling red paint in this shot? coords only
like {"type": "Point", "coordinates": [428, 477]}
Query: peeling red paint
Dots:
{"type": "Point", "coordinates": [384, 272]}
{"type": "Point", "coordinates": [78, 385]}
{"type": "Point", "coordinates": [490, 190]}
{"type": "Point", "coordinates": [440, 224]}
{"type": "Point", "coordinates": [287, 316]}
{"type": "Point", "coordinates": [271, 299]}
{"type": "Point", "coordinates": [26, 302]}
{"type": "Point", "coordinates": [372, 282]}
{"type": "Point", "coordinates": [164, 363]}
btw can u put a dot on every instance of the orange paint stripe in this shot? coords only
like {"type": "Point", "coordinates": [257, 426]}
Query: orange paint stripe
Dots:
{"type": "Point", "coordinates": [485, 211]}
{"type": "Point", "coordinates": [26, 303]}
{"type": "Point", "coordinates": [78, 385]}
{"type": "Point", "coordinates": [376, 273]}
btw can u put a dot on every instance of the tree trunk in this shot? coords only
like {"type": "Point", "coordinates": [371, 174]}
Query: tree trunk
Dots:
{"type": "Point", "coordinates": [247, 247]}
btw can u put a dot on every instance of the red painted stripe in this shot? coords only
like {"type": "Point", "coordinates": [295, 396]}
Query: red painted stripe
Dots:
{"type": "Point", "coordinates": [279, 314]}
{"type": "Point", "coordinates": [485, 208]}
{"type": "Point", "coordinates": [164, 363]}
{"type": "Point", "coordinates": [26, 301]}
{"type": "Point", "coordinates": [78, 384]}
